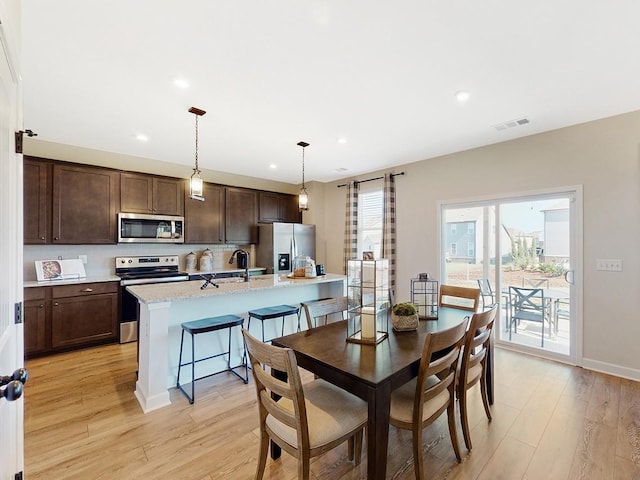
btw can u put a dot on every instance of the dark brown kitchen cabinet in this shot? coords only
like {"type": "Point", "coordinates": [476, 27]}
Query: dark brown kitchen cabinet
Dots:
{"type": "Point", "coordinates": [204, 221]}
{"type": "Point", "coordinates": [84, 314]}
{"type": "Point", "coordinates": [140, 193]}
{"type": "Point", "coordinates": [85, 202]}
{"type": "Point", "coordinates": [241, 215]}
{"type": "Point", "coordinates": [37, 202]}
{"type": "Point", "coordinates": [35, 316]}
{"type": "Point", "coordinates": [278, 207]}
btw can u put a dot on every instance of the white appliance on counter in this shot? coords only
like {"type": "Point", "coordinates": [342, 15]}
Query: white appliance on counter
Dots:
{"type": "Point", "coordinates": [279, 243]}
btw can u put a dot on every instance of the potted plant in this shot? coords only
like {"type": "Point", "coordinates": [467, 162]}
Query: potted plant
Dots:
{"type": "Point", "coordinates": [404, 316]}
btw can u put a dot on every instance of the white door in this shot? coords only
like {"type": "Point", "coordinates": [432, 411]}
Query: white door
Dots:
{"type": "Point", "coordinates": [11, 334]}
{"type": "Point", "coordinates": [524, 242]}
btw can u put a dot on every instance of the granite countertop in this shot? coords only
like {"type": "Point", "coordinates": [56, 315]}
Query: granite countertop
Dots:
{"type": "Point", "coordinates": [233, 270]}
{"type": "Point", "coordinates": [166, 292]}
{"type": "Point", "coordinates": [72, 281]}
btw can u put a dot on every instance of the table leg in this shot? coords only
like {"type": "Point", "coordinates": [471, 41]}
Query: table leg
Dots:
{"type": "Point", "coordinates": [379, 402]}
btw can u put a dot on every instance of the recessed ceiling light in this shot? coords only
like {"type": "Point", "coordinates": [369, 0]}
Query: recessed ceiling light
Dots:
{"type": "Point", "coordinates": [142, 138]}
{"type": "Point", "coordinates": [273, 166]}
{"type": "Point", "coordinates": [342, 140]}
{"type": "Point", "coordinates": [462, 96]}
{"type": "Point", "coordinates": [181, 83]}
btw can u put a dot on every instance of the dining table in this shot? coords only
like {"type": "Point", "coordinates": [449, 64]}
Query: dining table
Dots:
{"type": "Point", "coordinates": [371, 372]}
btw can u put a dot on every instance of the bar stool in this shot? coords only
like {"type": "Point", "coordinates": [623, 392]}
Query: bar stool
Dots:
{"type": "Point", "coordinates": [276, 311]}
{"type": "Point", "coordinates": [206, 325]}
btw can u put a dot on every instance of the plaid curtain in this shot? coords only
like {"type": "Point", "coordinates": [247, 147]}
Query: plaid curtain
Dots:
{"type": "Point", "coordinates": [389, 227]}
{"type": "Point", "coordinates": [351, 224]}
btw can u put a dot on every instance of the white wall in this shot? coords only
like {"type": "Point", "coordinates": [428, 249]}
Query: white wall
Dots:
{"type": "Point", "coordinates": [603, 156]}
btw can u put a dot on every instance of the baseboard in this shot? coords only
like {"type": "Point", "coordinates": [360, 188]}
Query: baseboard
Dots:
{"type": "Point", "coordinates": [611, 369]}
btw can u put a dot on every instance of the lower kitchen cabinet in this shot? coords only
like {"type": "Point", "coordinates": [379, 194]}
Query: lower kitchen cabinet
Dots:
{"type": "Point", "coordinates": [37, 332]}
{"type": "Point", "coordinates": [69, 317]}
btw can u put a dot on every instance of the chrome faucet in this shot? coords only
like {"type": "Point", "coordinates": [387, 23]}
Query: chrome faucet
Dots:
{"type": "Point", "coordinates": [241, 254]}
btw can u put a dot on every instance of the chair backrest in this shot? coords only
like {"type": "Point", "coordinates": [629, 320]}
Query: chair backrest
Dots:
{"type": "Point", "coordinates": [464, 298]}
{"type": "Point", "coordinates": [435, 365]}
{"type": "Point", "coordinates": [526, 299]}
{"type": "Point", "coordinates": [476, 341]}
{"type": "Point", "coordinates": [535, 282]}
{"type": "Point", "coordinates": [486, 292]}
{"type": "Point", "coordinates": [263, 355]}
{"type": "Point", "coordinates": [324, 308]}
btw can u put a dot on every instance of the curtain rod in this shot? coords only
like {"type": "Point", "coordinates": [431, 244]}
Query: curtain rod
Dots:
{"type": "Point", "coordinates": [371, 179]}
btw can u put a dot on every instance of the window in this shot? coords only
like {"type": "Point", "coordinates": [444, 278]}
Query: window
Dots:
{"type": "Point", "coordinates": [471, 250]}
{"type": "Point", "coordinates": [370, 222]}
{"type": "Point", "coordinates": [470, 228]}
{"type": "Point", "coordinates": [454, 249]}
{"type": "Point", "coordinates": [453, 228]}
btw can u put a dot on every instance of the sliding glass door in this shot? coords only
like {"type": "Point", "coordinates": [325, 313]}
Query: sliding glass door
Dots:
{"type": "Point", "coordinates": [521, 252]}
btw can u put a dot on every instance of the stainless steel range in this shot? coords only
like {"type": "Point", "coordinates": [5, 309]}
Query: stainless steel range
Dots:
{"type": "Point", "coordinates": [140, 271]}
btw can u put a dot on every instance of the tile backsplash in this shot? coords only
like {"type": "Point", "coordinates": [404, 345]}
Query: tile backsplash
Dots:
{"type": "Point", "coordinates": [100, 258]}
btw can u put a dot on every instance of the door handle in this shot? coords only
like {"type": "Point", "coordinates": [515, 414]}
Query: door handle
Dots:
{"type": "Point", "coordinates": [14, 384]}
{"type": "Point", "coordinates": [568, 277]}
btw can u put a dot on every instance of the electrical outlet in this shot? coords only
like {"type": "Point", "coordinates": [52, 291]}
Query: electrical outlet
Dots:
{"type": "Point", "coordinates": [609, 265]}
{"type": "Point", "coordinates": [83, 258]}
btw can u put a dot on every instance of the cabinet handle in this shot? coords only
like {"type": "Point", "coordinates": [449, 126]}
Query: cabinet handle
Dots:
{"type": "Point", "coordinates": [56, 238]}
{"type": "Point", "coordinates": [56, 304]}
{"type": "Point", "coordinates": [41, 238]}
{"type": "Point", "coordinates": [41, 306]}
{"type": "Point", "coordinates": [88, 290]}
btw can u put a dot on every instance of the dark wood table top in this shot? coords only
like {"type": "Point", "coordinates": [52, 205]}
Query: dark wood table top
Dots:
{"type": "Point", "coordinates": [370, 364]}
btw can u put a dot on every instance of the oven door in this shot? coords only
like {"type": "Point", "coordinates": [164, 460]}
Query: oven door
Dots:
{"type": "Point", "coordinates": [130, 308]}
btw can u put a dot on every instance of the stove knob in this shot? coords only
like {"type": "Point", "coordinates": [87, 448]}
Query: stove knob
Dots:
{"type": "Point", "coordinates": [130, 261]}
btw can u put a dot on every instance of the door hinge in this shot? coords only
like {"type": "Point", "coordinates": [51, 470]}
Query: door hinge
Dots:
{"type": "Point", "coordinates": [18, 316]}
{"type": "Point", "coordinates": [18, 476]}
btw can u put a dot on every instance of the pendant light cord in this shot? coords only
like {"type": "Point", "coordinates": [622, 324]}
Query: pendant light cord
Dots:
{"type": "Point", "coordinates": [197, 169]}
{"type": "Point", "coordinates": [303, 167]}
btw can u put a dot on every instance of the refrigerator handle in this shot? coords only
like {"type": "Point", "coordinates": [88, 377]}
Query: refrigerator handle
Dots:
{"type": "Point", "coordinates": [294, 248]}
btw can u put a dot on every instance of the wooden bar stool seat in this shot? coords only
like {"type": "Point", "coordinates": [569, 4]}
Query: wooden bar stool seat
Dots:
{"type": "Point", "coordinates": [206, 325]}
{"type": "Point", "coordinates": [276, 311]}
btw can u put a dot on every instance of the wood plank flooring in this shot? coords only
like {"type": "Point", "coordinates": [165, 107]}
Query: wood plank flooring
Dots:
{"type": "Point", "coordinates": [551, 421]}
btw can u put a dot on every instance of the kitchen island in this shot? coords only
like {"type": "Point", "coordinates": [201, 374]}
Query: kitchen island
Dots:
{"type": "Point", "coordinates": [165, 306]}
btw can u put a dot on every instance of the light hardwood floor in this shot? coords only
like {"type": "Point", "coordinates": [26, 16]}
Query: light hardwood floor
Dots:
{"type": "Point", "coordinates": [551, 421]}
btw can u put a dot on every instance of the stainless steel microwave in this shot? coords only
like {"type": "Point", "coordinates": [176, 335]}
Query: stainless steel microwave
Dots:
{"type": "Point", "coordinates": [142, 228]}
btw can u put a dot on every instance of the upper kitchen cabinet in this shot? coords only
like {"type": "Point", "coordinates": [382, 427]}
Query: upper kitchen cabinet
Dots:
{"type": "Point", "coordinates": [140, 193]}
{"type": "Point", "coordinates": [37, 202]}
{"type": "Point", "coordinates": [241, 215]}
{"type": "Point", "coordinates": [278, 207]}
{"type": "Point", "coordinates": [204, 221]}
{"type": "Point", "coordinates": [84, 205]}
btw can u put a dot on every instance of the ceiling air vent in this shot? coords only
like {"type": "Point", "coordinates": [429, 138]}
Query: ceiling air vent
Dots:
{"type": "Point", "coordinates": [340, 170]}
{"type": "Point", "coordinates": [511, 123]}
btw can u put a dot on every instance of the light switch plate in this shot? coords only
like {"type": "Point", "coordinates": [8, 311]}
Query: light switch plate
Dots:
{"type": "Point", "coordinates": [609, 265]}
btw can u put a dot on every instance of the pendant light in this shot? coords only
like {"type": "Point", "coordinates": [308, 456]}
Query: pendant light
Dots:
{"type": "Point", "coordinates": [303, 198]}
{"type": "Point", "coordinates": [196, 185]}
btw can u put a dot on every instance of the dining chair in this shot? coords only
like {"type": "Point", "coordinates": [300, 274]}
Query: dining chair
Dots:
{"type": "Point", "coordinates": [486, 293]}
{"type": "Point", "coordinates": [529, 304]}
{"type": "Point", "coordinates": [419, 402]}
{"type": "Point", "coordinates": [535, 282]}
{"type": "Point", "coordinates": [304, 420]}
{"type": "Point", "coordinates": [473, 366]}
{"type": "Point", "coordinates": [327, 308]}
{"type": "Point", "coordinates": [463, 298]}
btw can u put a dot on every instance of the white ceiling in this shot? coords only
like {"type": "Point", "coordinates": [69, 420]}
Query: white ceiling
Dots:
{"type": "Point", "coordinates": [381, 74]}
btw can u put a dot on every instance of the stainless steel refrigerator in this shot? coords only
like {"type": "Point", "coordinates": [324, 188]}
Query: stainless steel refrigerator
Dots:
{"type": "Point", "coordinates": [279, 243]}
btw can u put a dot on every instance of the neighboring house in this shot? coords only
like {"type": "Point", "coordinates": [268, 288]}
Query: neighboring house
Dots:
{"type": "Point", "coordinates": [556, 233]}
{"type": "Point", "coordinates": [463, 240]}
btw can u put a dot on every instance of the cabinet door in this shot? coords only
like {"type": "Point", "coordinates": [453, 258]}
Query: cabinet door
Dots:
{"type": "Point", "coordinates": [85, 202]}
{"type": "Point", "coordinates": [204, 221]}
{"type": "Point", "coordinates": [79, 321]}
{"type": "Point", "coordinates": [289, 211]}
{"type": "Point", "coordinates": [168, 195]}
{"type": "Point", "coordinates": [269, 207]}
{"type": "Point", "coordinates": [37, 202]}
{"type": "Point", "coordinates": [136, 193]}
{"type": "Point", "coordinates": [35, 327]}
{"type": "Point", "coordinates": [241, 216]}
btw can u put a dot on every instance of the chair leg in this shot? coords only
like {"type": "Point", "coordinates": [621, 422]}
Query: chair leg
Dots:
{"type": "Point", "coordinates": [262, 455]}
{"type": "Point", "coordinates": [180, 359]}
{"type": "Point", "coordinates": [484, 395]}
{"type": "Point", "coordinates": [451, 416]}
{"type": "Point", "coordinates": [304, 466]}
{"type": "Point", "coordinates": [464, 420]}
{"type": "Point", "coordinates": [193, 368]}
{"type": "Point", "coordinates": [417, 452]}
{"type": "Point", "coordinates": [357, 448]}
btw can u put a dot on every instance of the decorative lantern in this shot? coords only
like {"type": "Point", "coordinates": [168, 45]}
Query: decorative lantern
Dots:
{"type": "Point", "coordinates": [424, 295]}
{"type": "Point", "coordinates": [368, 294]}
